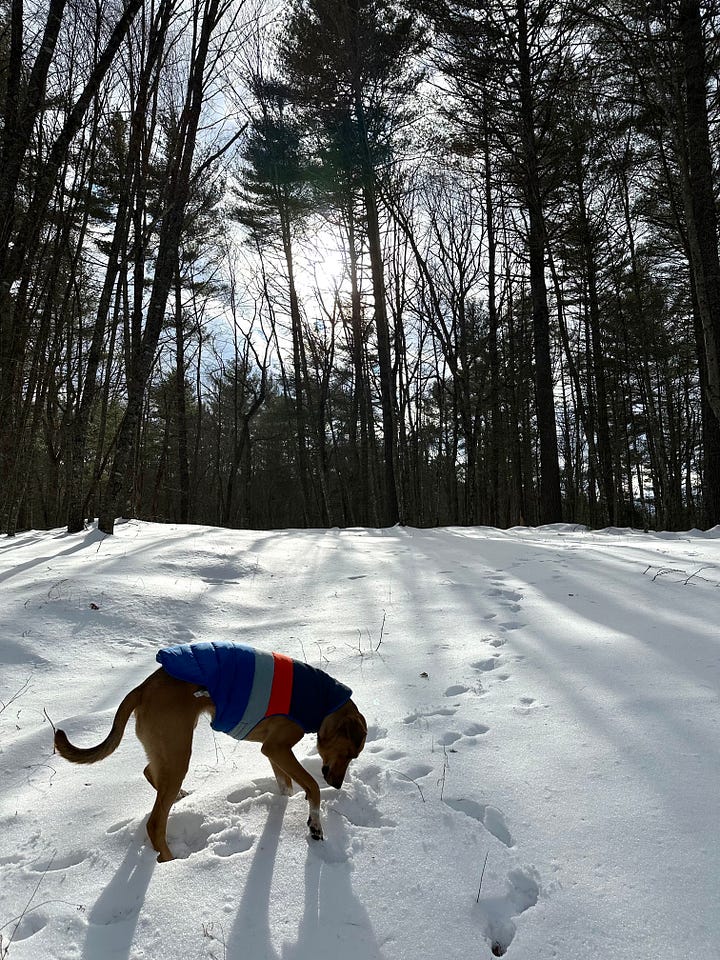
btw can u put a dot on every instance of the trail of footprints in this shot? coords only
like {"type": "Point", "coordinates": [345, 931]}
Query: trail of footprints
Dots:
{"type": "Point", "coordinates": [496, 914]}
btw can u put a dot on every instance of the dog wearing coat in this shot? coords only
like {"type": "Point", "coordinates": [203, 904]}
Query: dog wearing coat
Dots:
{"type": "Point", "coordinates": [249, 694]}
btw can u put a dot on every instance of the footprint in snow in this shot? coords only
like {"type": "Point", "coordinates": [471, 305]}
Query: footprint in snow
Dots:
{"type": "Point", "coordinates": [495, 641]}
{"type": "Point", "coordinates": [431, 712]}
{"type": "Point", "coordinates": [506, 596]}
{"type": "Point", "coordinates": [359, 807]}
{"type": "Point", "coordinates": [254, 790]}
{"type": "Point", "coordinates": [371, 774]}
{"type": "Point", "coordinates": [486, 665]}
{"type": "Point", "coordinates": [230, 841]}
{"type": "Point", "coordinates": [448, 738]}
{"type": "Point", "coordinates": [475, 730]}
{"type": "Point", "coordinates": [61, 862]}
{"type": "Point", "coordinates": [526, 705]}
{"type": "Point", "coordinates": [456, 690]}
{"type": "Point", "coordinates": [190, 833]}
{"type": "Point", "coordinates": [498, 914]}
{"type": "Point", "coordinates": [469, 735]}
{"type": "Point", "coordinates": [31, 923]}
{"type": "Point", "coordinates": [375, 733]}
{"type": "Point", "coordinates": [488, 816]}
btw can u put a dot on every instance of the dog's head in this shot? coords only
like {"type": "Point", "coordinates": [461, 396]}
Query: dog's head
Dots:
{"type": "Point", "coordinates": [341, 739]}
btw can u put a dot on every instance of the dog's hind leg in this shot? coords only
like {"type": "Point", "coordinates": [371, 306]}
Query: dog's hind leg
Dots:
{"type": "Point", "coordinates": [165, 725]}
{"type": "Point", "coordinates": [169, 775]}
{"type": "Point", "coordinates": [147, 773]}
{"type": "Point", "coordinates": [283, 780]}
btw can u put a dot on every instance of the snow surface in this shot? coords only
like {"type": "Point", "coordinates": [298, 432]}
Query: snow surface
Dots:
{"type": "Point", "coordinates": [543, 711]}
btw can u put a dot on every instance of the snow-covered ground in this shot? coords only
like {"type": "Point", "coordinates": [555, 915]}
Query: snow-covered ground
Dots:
{"type": "Point", "coordinates": [543, 711]}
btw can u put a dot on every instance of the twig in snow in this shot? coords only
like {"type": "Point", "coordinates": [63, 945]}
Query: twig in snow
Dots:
{"type": "Point", "coordinates": [382, 631]}
{"type": "Point", "coordinates": [664, 570]}
{"type": "Point", "coordinates": [18, 693]}
{"type": "Point", "coordinates": [208, 930]}
{"type": "Point", "coordinates": [410, 779]}
{"type": "Point", "coordinates": [441, 780]}
{"type": "Point", "coordinates": [481, 876]}
{"type": "Point", "coordinates": [704, 567]}
{"type": "Point", "coordinates": [47, 717]}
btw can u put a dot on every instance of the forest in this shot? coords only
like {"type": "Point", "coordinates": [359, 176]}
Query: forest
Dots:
{"type": "Point", "coordinates": [322, 263]}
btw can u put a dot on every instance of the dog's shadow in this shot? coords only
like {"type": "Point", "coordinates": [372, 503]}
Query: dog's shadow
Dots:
{"type": "Point", "coordinates": [118, 907]}
{"type": "Point", "coordinates": [331, 906]}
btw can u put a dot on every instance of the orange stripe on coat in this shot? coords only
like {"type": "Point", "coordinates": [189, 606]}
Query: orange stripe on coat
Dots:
{"type": "Point", "coordinates": [281, 692]}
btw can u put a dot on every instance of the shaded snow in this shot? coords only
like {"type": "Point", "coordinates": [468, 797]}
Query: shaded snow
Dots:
{"type": "Point", "coordinates": [543, 704]}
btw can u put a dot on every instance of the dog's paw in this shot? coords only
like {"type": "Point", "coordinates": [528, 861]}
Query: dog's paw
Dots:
{"type": "Point", "coordinates": [315, 828]}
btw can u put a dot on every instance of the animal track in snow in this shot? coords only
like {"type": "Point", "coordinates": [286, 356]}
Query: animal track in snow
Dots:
{"type": "Point", "coordinates": [254, 791]}
{"type": "Point", "coordinates": [230, 841]}
{"type": "Point", "coordinates": [448, 738]}
{"type": "Point", "coordinates": [11, 860]}
{"type": "Point", "coordinates": [486, 665]}
{"type": "Point", "coordinates": [469, 734]}
{"type": "Point", "coordinates": [431, 712]}
{"type": "Point", "coordinates": [456, 690]}
{"type": "Point", "coordinates": [418, 771]}
{"type": "Point", "coordinates": [498, 914]}
{"type": "Point", "coordinates": [507, 596]}
{"type": "Point", "coordinates": [475, 730]}
{"type": "Point", "coordinates": [375, 733]}
{"type": "Point", "coordinates": [488, 816]}
{"type": "Point", "coordinates": [31, 923]}
{"type": "Point", "coordinates": [359, 807]}
{"type": "Point", "coordinates": [190, 832]}
{"type": "Point", "coordinates": [61, 863]}
{"type": "Point", "coordinates": [526, 705]}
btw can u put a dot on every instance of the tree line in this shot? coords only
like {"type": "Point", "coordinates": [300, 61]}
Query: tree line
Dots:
{"type": "Point", "coordinates": [359, 262]}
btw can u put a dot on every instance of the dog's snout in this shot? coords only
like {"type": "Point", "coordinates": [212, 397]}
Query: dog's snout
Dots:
{"type": "Point", "coordinates": [332, 779]}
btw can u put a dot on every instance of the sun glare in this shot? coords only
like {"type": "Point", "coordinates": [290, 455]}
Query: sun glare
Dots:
{"type": "Point", "coordinates": [325, 259]}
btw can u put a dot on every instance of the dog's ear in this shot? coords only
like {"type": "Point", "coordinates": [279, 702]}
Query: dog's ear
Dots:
{"type": "Point", "coordinates": [355, 729]}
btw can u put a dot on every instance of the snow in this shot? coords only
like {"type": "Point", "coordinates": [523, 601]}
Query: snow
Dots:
{"type": "Point", "coordinates": [543, 711]}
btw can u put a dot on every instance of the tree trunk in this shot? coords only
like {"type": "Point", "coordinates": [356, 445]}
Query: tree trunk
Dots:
{"type": "Point", "coordinates": [550, 496]}
{"type": "Point", "coordinates": [171, 231]}
{"type": "Point", "coordinates": [391, 512]}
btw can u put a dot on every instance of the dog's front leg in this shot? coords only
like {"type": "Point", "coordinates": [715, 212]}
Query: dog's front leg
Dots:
{"type": "Point", "coordinates": [280, 755]}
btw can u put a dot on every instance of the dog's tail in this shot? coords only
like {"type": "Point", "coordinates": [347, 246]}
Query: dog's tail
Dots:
{"type": "Point", "coordinates": [110, 743]}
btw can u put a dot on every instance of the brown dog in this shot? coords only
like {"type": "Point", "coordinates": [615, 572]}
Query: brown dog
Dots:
{"type": "Point", "coordinates": [252, 695]}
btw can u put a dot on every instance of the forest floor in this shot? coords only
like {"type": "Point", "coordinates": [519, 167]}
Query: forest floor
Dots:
{"type": "Point", "coordinates": [541, 777]}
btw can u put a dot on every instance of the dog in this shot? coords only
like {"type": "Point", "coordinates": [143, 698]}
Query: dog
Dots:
{"type": "Point", "coordinates": [250, 694]}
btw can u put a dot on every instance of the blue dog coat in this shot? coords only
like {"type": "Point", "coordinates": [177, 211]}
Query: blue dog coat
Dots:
{"type": "Point", "coordinates": [247, 685]}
